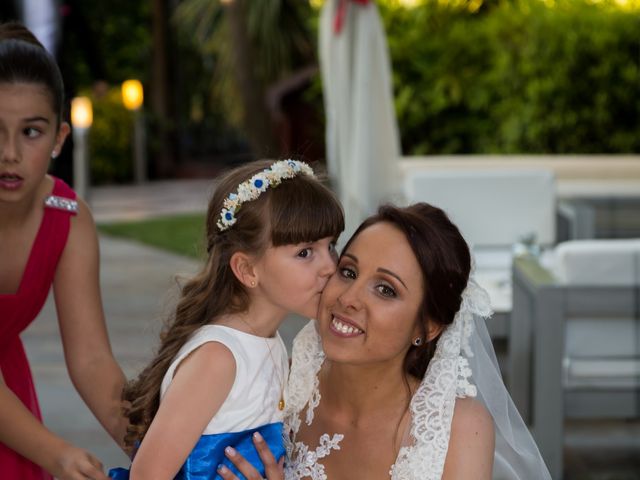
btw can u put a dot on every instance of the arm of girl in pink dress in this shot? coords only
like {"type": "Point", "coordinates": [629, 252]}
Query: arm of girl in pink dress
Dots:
{"type": "Point", "coordinates": [92, 367]}
{"type": "Point", "coordinates": [22, 432]}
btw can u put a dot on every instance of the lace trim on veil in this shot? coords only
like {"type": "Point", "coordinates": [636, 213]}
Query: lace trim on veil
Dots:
{"type": "Point", "coordinates": [446, 379]}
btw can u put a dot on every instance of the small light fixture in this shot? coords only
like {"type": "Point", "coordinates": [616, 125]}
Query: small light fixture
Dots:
{"type": "Point", "coordinates": [132, 94]}
{"type": "Point", "coordinates": [81, 112]}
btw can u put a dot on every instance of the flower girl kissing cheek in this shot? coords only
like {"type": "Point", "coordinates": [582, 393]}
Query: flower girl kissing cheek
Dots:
{"type": "Point", "coordinates": [218, 381]}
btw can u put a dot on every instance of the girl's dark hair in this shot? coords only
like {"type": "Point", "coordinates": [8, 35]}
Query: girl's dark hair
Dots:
{"type": "Point", "coordinates": [300, 209]}
{"type": "Point", "coordinates": [23, 59]}
{"type": "Point", "coordinates": [445, 261]}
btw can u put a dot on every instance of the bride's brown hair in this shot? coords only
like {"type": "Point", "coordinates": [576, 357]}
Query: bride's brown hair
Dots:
{"type": "Point", "coordinates": [300, 209]}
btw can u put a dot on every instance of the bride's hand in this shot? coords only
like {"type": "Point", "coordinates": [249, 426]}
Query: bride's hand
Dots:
{"type": "Point", "coordinates": [273, 470]}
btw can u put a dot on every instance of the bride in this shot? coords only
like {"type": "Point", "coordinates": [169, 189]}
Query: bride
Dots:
{"type": "Point", "coordinates": [397, 378]}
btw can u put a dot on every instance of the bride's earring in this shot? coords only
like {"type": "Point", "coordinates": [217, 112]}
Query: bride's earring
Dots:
{"type": "Point", "coordinates": [417, 341]}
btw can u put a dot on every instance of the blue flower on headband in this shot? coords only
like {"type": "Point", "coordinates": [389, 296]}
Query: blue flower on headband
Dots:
{"type": "Point", "coordinates": [260, 183]}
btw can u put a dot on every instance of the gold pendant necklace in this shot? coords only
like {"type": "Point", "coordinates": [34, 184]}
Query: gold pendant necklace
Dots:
{"type": "Point", "coordinates": [281, 403]}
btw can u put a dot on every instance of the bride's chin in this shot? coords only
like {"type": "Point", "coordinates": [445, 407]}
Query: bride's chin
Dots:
{"type": "Point", "coordinates": [336, 353]}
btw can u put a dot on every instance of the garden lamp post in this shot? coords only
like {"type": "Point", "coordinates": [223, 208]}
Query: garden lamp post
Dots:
{"type": "Point", "coordinates": [81, 120]}
{"type": "Point", "coordinates": [132, 97]}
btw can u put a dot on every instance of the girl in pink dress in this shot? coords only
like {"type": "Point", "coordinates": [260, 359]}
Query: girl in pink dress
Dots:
{"type": "Point", "coordinates": [47, 237]}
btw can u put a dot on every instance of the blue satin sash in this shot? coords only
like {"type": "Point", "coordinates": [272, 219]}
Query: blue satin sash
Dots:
{"type": "Point", "coordinates": [203, 461]}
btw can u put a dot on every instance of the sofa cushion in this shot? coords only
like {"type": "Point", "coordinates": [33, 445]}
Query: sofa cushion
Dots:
{"type": "Point", "coordinates": [598, 262]}
{"type": "Point", "coordinates": [601, 374]}
{"type": "Point", "coordinates": [602, 337]}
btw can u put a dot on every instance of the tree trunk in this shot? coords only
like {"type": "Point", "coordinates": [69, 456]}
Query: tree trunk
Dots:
{"type": "Point", "coordinates": [256, 118]}
{"type": "Point", "coordinates": [164, 151]}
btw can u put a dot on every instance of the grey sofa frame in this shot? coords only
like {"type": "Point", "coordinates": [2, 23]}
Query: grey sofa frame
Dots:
{"type": "Point", "coordinates": [536, 354]}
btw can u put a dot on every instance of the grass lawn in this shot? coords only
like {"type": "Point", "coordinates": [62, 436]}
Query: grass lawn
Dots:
{"type": "Point", "coordinates": [181, 234]}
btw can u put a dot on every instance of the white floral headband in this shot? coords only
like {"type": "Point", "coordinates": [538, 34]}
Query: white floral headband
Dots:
{"type": "Point", "coordinates": [253, 188]}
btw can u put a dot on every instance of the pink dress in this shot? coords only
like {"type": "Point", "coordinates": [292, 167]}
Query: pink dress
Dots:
{"type": "Point", "coordinates": [18, 310]}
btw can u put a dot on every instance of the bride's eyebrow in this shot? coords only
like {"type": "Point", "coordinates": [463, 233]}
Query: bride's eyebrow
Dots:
{"type": "Point", "coordinates": [383, 270]}
{"type": "Point", "coordinates": [389, 272]}
{"type": "Point", "coordinates": [351, 256]}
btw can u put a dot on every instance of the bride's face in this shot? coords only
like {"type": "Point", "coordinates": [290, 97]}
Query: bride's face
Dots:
{"type": "Point", "coordinates": [369, 308]}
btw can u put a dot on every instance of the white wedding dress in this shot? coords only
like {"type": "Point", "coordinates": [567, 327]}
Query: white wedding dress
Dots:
{"type": "Point", "coordinates": [464, 347]}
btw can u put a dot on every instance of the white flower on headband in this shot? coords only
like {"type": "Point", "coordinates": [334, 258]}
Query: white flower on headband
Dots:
{"type": "Point", "coordinates": [251, 189]}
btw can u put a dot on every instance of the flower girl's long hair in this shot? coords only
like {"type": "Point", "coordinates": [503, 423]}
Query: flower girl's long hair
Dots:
{"type": "Point", "coordinates": [300, 209]}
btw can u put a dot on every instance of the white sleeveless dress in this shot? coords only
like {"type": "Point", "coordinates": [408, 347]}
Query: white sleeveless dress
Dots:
{"type": "Point", "coordinates": [253, 399]}
{"type": "Point", "coordinates": [252, 404]}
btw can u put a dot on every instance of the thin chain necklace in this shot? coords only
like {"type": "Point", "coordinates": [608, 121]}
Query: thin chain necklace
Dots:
{"type": "Point", "coordinates": [281, 403]}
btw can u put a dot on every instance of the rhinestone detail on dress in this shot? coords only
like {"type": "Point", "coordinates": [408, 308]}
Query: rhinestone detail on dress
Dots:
{"type": "Point", "coordinates": [61, 203]}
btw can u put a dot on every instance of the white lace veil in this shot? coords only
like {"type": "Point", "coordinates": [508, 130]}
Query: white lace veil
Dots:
{"type": "Point", "coordinates": [465, 365]}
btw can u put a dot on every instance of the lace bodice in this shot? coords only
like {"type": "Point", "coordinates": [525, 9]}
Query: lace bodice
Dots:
{"type": "Point", "coordinates": [413, 462]}
{"type": "Point", "coordinates": [303, 391]}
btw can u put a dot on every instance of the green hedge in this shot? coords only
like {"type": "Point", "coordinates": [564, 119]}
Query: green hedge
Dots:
{"type": "Point", "coordinates": [111, 139]}
{"type": "Point", "coordinates": [516, 77]}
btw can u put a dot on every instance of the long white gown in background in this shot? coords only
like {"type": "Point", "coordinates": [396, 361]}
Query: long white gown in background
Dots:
{"type": "Point", "coordinates": [362, 140]}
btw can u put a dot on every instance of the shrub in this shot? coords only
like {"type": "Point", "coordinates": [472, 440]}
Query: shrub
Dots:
{"type": "Point", "coordinates": [519, 76]}
{"type": "Point", "coordinates": [111, 140]}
